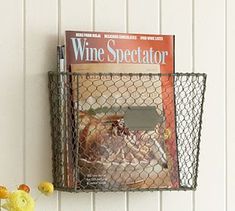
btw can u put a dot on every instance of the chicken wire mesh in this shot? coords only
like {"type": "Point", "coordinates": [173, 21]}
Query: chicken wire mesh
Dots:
{"type": "Point", "coordinates": [118, 132]}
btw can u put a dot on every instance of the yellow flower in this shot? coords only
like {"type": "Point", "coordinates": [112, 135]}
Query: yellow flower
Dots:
{"type": "Point", "coordinates": [19, 201]}
{"type": "Point", "coordinates": [46, 188]}
{"type": "Point", "coordinates": [4, 193]}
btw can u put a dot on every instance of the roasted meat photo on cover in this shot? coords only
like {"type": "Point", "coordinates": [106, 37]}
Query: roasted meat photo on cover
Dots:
{"type": "Point", "coordinates": [112, 155]}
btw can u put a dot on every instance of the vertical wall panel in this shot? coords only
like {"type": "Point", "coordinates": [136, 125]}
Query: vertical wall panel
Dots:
{"type": "Point", "coordinates": [76, 202]}
{"type": "Point", "coordinates": [41, 40]}
{"type": "Point", "coordinates": [210, 58]}
{"type": "Point", "coordinates": [230, 104]}
{"type": "Point", "coordinates": [11, 93]}
{"type": "Point", "coordinates": [143, 17]}
{"type": "Point", "coordinates": [177, 20]}
{"type": "Point", "coordinates": [110, 202]}
{"type": "Point", "coordinates": [75, 15]}
{"type": "Point", "coordinates": [109, 15]}
{"type": "Point", "coordinates": [139, 201]}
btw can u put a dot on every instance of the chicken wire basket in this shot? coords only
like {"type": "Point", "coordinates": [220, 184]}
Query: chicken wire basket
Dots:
{"type": "Point", "coordinates": [126, 131]}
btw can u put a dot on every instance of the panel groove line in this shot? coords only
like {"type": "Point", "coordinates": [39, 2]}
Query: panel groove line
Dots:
{"type": "Point", "coordinates": [226, 105]}
{"type": "Point", "coordinates": [93, 208]}
{"type": "Point", "coordinates": [193, 70]}
{"type": "Point", "coordinates": [24, 90]}
{"type": "Point", "coordinates": [160, 32]}
{"type": "Point", "coordinates": [193, 36]}
{"type": "Point", "coordinates": [159, 16]}
{"type": "Point", "coordinates": [127, 16]}
{"type": "Point", "coordinates": [59, 42]}
{"type": "Point", "coordinates": [93, 14]}
{"type": "Point", "coordinates": [93, 202]}
{"type": "Point", "coordinates": [126, 201]}
{"type": "Point", "coordinates": [59, 201]}
{"type": "Point", "coordinates": [127, 30]}
{"type": "Point", "coordinates": [230, 101]}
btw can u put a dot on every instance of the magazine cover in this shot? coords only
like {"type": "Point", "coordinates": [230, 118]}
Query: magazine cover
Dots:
{"type": "Point", "coordinates": [112, 155]}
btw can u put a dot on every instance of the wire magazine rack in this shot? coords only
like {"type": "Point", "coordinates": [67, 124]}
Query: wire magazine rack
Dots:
{"type": "Point", "coordinates": [126, 131]}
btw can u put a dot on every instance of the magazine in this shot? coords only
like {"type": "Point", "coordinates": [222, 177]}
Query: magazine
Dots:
{"type": "Point", "coordinates": [113, 154]}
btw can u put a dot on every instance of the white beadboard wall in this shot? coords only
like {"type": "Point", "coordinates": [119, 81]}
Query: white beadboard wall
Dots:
{"type": "Point", "coordinates": [30, 31]}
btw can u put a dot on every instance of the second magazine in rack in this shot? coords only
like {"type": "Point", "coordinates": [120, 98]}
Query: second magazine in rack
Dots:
{"type": "Point", "coordinates": [110, 96]}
